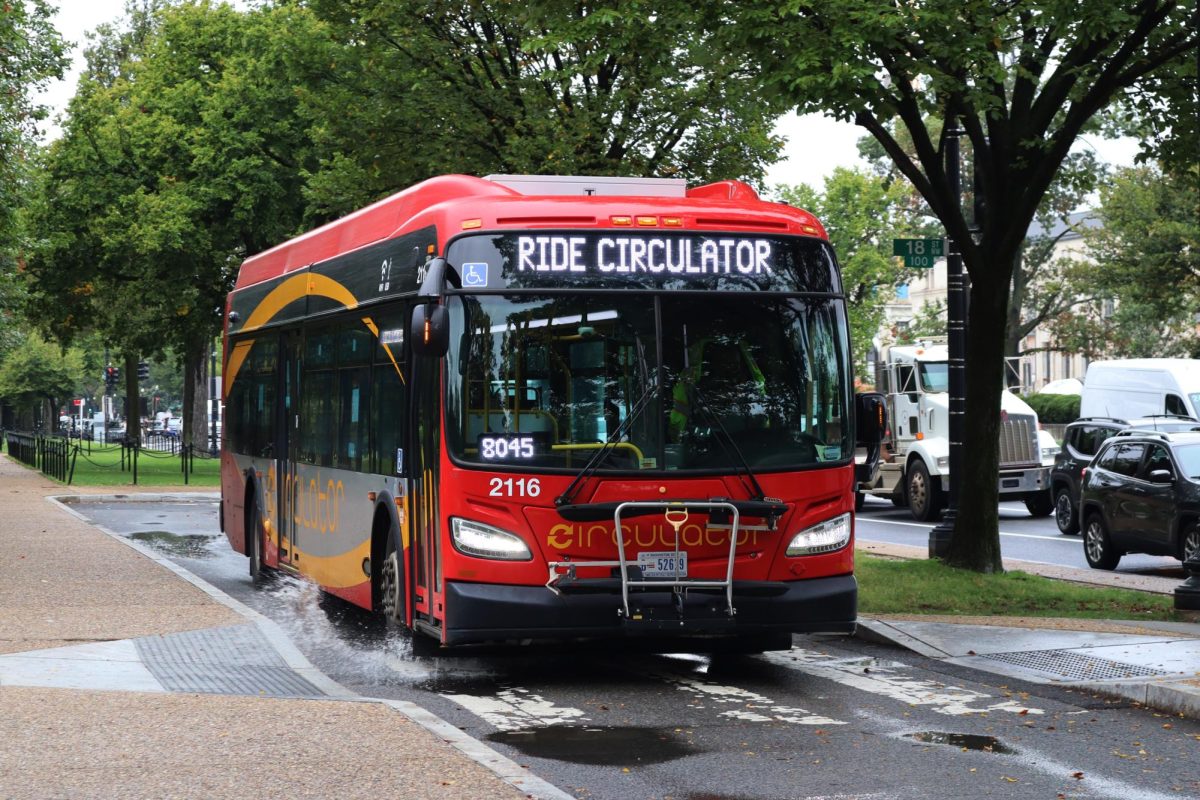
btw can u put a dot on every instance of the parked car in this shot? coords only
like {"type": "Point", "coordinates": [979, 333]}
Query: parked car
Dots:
{"type": "Point", "coordinates": [1141, 494]}
{"type": "Point", "coordinates": [1081, 441]}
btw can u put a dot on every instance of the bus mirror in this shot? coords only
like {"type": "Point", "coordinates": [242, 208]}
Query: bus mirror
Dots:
{"type": "Point", "coordinates": [870, 418]}
{"type": "Point", "coordinates": [430, 330]}
{"type": "Point", "coordinates": [434, 282]}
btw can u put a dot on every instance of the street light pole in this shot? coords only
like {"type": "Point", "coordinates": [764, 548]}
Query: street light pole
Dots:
{"type": "Point", "coordinates": [212, 397]}
{"type": "Point", "coordinates": [956, 317]}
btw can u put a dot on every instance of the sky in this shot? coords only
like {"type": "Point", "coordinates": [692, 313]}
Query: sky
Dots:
{"type": "Point", "coordinates": [816, 144]}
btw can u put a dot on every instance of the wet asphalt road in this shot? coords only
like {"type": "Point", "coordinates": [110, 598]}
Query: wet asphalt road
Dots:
{"type": "Point", "coordinates": [1021, 536]}
{"type": "Point", "coordinates": [834, 717]}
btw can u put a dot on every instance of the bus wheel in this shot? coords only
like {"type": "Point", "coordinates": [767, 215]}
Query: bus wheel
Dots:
{"type": "Point", "coordinates": [391, 584]}
{"type": "Point", "coordinates": [259, 572]}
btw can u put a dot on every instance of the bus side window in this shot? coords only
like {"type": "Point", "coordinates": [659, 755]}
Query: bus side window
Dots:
{"type": "Point", "coordinates": [354, 357]}
{"type": "Point", "coordinates": [388, 407]}
{"type": "Point", "coordinates": [318, 400]}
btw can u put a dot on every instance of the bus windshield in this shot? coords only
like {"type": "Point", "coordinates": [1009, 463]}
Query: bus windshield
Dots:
{"type": "Point", "coordinates": [541, 381]}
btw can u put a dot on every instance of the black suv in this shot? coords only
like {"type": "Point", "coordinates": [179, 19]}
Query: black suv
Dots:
{"type": "Point", "coordinates": [1141, 494]}
{"type": "Point", "coordinates": [1081, 442]}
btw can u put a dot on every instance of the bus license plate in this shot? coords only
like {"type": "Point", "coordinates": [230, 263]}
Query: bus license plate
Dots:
{"type": "Point", "coordinates": [663, 565]}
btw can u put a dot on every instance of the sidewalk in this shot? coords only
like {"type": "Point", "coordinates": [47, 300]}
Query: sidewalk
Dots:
{"type": "Point", "coordinates": [1156, 664]}
{"type": "Point", "coordinates": [121, 678]}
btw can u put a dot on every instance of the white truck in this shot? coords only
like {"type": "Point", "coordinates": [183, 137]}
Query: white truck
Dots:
{"type": "Point", "coordinates": [914, 468]}
{"type": "Point", "coordinates": [1141, 387]}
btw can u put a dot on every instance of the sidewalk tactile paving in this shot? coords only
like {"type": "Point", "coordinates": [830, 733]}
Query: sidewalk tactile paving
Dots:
{"type": "Point", "coordinates": [1076, 666]}
{"type": "Point", "coordinates": [235, 660]}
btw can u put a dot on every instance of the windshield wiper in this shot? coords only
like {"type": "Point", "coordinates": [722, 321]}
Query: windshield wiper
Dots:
{"type": "Point", "coordinates": [593, 463]}
{"type": "Point", "coordinates": [728, 443]}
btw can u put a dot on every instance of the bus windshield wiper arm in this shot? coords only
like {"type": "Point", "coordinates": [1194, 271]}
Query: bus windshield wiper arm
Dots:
{"type": "Point", "coordinates": [593, 463]}
{"type": "Point", "coordinates": [728, 444]}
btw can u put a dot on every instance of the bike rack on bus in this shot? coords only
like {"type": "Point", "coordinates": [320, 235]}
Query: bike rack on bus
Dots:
{"type": "Point", "coordinates": [678, 585]}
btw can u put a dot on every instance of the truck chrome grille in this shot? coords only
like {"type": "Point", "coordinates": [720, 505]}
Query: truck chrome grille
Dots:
{"type": "Point", "coordinates": [1018, 441]}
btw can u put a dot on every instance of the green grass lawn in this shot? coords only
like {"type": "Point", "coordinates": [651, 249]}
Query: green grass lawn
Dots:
{"type": "Point", "coordinates": [887, 586]}
{"type": "Point", "coordinates": [102, 467]}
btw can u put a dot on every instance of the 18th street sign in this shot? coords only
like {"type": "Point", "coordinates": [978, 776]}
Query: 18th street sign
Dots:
{"type": "Point", "coordinates": [919, 253]}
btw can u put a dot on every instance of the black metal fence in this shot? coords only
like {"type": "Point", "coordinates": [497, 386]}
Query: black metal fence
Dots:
{"type": "Point", "coordinates": [56, 455]}
{"type": "Point", "coordinates": [53, 455]}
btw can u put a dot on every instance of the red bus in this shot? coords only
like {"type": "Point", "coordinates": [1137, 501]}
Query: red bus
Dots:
{"type": "Point", "coordinates": [444, 406]}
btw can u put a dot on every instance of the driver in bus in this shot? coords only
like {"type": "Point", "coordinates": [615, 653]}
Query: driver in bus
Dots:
{"type": "Point", "coordinates": [729, 377]}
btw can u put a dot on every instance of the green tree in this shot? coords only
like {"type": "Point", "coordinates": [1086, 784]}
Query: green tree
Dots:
{"type": "Point", "coordinates": [1142, 282]}
{"type": "Point", "coordinates": [407, 90]}
{"type": "Point", "coordinates": [31, 52]}
{"type": "Point", "coordinates": [39, 377]}
{"type": "Point", "coordinates": [1024, 79]}
{"type": "Point", "coordinates": [861, 213]}
{"type": "Point", "coordinates": [182, 153]}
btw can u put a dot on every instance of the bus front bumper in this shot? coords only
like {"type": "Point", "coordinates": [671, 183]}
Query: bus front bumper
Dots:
{"type": "Point", "coordinates": [478, 613]}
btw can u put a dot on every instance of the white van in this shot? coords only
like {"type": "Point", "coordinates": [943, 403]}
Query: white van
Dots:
{"type": "Point", "coordinates": [1141, 387]}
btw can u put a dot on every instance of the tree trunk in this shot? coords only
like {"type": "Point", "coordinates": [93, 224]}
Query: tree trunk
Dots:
{"type": "Point", "coordinates": [975, 544]}
{"type": "Point", "coordinates": [195, 393]}
{"type": "Point", "coordinates": [1012, 328]}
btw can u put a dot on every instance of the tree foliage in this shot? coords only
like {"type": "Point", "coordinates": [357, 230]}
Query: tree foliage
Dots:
{"type": "Point", "coordinates": [31, 54]}
{"type": "Point", "coordinates": [37, 373]}
{"type": "Point", "coordinates": [861, 213]}
{"type": "Point", "coordinates": [1023, 79]}
{"type": "Point", "coordinates": [406, 90]}
{"type": "Point", "coordinates": [182, 153]}
{"type": "Point", "coordinates": [1140, 287]}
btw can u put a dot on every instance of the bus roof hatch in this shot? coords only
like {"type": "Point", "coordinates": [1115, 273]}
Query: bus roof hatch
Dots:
{"type": "Point", "coordinates": [587, 185]}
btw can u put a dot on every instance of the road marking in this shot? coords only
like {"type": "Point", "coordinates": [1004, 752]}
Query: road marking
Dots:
{"type": "Point", "coordinates": [517, 709]}
{"type": "Point", "coordinates": [753, 707]}
{"type": "Point", "coordinates": [884, 678]}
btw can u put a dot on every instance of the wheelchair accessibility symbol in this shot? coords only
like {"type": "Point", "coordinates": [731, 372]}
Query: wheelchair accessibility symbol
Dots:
{"type": "Point", "coordinates": [474, 275]}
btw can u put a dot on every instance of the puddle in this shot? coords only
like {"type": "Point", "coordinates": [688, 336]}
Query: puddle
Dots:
{"type": "Point", "coordinates": [192, 546]}
{"type": "Point", "coordinates": [626, 747]}
{"type": "Point", "coordinates": [963, 741]}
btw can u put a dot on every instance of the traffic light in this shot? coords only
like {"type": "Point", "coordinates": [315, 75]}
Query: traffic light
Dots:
{"type": "Point", "coordinates": [143, 371]}
{"type": "Point", "coordinates": [111, 376]}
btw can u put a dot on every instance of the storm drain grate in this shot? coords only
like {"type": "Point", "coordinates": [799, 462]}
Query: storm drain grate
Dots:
{"type": "Point", "coordinates": [1067, 664]}
{"type": "Point", "coordinates": [234, 660]}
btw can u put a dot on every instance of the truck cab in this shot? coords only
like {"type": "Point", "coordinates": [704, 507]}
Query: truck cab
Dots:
{"type": "Point", "coordinates": [915, 463]}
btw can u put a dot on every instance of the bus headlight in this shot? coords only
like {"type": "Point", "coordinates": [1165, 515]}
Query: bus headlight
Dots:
{"type": "Point", "coordinates": [476, 539]}
{"type": "Point", "coordinates": [830, 535]}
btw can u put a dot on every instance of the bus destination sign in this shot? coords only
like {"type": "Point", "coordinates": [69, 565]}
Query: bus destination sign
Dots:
{"type": "Point", "coordinates": [622, 255]}
{"type": "Point", "coordinates": [670, 261]}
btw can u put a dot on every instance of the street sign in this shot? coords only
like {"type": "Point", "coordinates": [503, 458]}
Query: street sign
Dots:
{"type": "Point", "coordinates": [919, 253]}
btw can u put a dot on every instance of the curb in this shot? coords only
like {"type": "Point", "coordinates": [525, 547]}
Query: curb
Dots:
{"type": "Point", "coordinates": [503, 767]}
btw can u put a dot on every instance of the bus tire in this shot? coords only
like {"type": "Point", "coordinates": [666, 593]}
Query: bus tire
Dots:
{"type": "Point", "coordinates": [391, 580]}
{"type": "Point", "coordinates": [259, 572]}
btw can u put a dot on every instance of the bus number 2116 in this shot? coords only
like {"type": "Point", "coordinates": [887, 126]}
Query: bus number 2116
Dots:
{"type": "Point", "coordinates": [520, 487]}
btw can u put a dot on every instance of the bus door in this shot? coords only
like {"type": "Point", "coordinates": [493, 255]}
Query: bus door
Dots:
{"type": "Point", "coordinates": [291, 350]}
{"type": "Point", "coordinates": [424, 436]}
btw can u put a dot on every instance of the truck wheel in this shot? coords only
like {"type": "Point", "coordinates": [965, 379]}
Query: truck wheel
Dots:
{"type": "Point", "coordinates": [1097, 547]}
{"type": "Point", "coordinates": [924, 494]}
{"type": "Point", "coordinates": [1064, 512]}
{"type": "Point", "coordinates": [1040, 504]}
